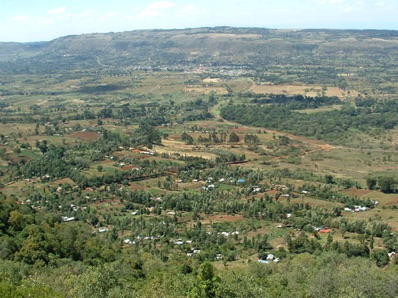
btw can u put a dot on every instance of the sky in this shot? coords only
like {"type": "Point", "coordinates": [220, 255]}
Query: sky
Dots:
{"type": "Point", "coordinates": [43, 20]}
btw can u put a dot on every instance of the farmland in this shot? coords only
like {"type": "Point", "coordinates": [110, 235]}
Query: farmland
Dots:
{"type": "Point", "coordinates": [199, 158]}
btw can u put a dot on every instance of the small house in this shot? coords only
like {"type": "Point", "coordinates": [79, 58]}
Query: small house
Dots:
{"type": "Point", "coordinates": [325, 231]}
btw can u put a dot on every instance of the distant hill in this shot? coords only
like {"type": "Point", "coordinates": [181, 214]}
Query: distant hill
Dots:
{"type": "Point", "coordinates": [255, 48]}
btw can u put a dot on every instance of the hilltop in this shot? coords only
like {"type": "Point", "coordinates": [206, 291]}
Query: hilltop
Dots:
{"type": "Point", "coordinates": [341, 58]}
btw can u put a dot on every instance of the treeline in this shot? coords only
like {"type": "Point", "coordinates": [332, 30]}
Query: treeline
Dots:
{"type": "Point", "coordinates": [326, 275]}
{"type": "Point", "coordinates": [330, 125]}
{"type": "Point", "coordinates": [297, 102]}
{"type": "Point", "coordinates": [385, 182]}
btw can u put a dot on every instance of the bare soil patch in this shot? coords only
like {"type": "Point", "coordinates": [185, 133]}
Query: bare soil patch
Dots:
{"type": "Point", "coordinates": [221, 218]}
{"type": "Point", "coordinates": [136, 186]}
{"type": "Point", "coordinates": [85, 135]}
{"type": "Point", "coordinates": [63, 181]}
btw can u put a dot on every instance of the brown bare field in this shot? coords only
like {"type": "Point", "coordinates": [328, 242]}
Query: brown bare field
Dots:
{"type": "Point", "coordinates": [85, 135]}
{"type": "Point", "coordinates": [357, 192]}
{"type": "Point", "coordinates": [62, 181]}
{"type": "Point", "coordinates": [221, 218]}
{"type": "Point", "coordinates": [303, 90]}
{"type": "Point", "coordinates": [136, 186]}
{"type": "Point", "coordinates": [128, 167]}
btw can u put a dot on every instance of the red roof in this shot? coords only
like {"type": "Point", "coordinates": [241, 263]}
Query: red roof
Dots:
{"type": "Point", "coordinates": [325, 231]}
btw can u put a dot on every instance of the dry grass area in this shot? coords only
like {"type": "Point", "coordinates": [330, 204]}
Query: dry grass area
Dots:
{"type": "Point", "coordinates": [313, 91]}
{"type": "Point", "coordinates": [389, 216]}
{"type": "Point", "coordinates": [174, 147]}
{"type": "Point", "coordinates": [205, 90]}
{"type": "Point", "coordinates": [62, 181]}
{"type": "Point", "coordinates": [9, 128]}
{"type": "Point", "coordinates": [212, 80]}
{"type": "Point", "coordinates": [220, 218]}
{"type": "Point", "coordinates": [217, 36]}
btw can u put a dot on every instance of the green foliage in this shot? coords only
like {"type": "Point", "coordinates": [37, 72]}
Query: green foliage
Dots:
{"type": "Point", "coordinates": [233, 138]}
{"type": "Point", "coordinates": [387, 184]}
{"type": "Point", "coordinates": [43, 256]}
{"type": "Point", "coordinates": [187, 138]}
{"type": "Point", "coordinates": [207, 282]}
{"type": "Point", "coordinates": [331, 125]}
{"type": "Point", "coordinates": [381, 257]}
{"type": "Point", "coordinates": [147, 135]}
{"type": "Point", "coordinates": [371, 183]}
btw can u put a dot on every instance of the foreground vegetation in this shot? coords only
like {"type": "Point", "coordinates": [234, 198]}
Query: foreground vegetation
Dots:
{"type": "Point", "coordinates": [184, 177]}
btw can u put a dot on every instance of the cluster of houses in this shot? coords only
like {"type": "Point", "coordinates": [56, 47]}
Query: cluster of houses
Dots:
{"type": "Point", "coordinates": [280, 187]}
{"type": "Point", "coordinates": [356, 209]}
{"type": "Point", "coordinates": [210, 185]}
{"type": "Point", "coordinates": [242, 181]}
{"type": "Point", "coordinates": [147, 152]}
{"type": "Point", "coordinates": [140, 238]}
{"type": "Point", "coordinates": [227, 234]}
{"type": "Point", "coordinates": [269, 258]}
{"type": "Point", "coordinates": [128, 241]}
{"type": "Point", "coordinates": [73, 207]}
{"type": "Point", "coordinates": [193, 251]}
{"type": "Point", "coordinates": [178, 242]}
{"type": "Point", "coordinates": [181, 242]}
{"type": "Point", "coordinates": [190, 253]}
{"type": "Point", "coordinates": [322, 230]}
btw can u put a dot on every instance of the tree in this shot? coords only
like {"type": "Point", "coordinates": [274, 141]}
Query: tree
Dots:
{"type": "Point", "coordinates": [371, 183]}
{"type": "Point", "coordinates": [233, 138]}
{"type": "Point", "coordinates": [207, 284]}
{"type": "Point", "coordinates": [250, 138]}
{"type": "Point", "coordinates": [381, 257]}
{"type": "Point", "coordinates": [187, 138]}
{"type": "Point", "coordinates": [329, 179]}
{"type": "Point", "coordinates": [386, 184]}
{"type": "Point", "coordinates": [146, 134]}
{"type": "Point", "coordinates": [284, 140]}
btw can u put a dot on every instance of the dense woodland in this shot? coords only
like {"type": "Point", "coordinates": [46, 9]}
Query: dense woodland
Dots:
{"type": "Point", "coordinates": [268, 170]}
{"type": "Point", "coordinates": [332, 126]}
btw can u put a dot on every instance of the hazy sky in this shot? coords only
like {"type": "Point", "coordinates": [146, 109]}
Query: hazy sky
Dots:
{"type": "Point", "coordinates": [40, 20]}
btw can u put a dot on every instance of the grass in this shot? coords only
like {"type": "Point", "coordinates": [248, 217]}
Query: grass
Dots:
{"type": "Point", "coordinates": [29, 153]}
{"type": "Point", "coordinates": [321, 109]}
